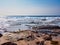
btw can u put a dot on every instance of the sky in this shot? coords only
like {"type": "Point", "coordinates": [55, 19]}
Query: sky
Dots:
{"type": "Point", "coordinates": [29, 7]}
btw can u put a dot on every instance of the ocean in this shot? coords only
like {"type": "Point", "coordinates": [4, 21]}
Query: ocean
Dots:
{"type": "Point", "coordinates": [14, 23]}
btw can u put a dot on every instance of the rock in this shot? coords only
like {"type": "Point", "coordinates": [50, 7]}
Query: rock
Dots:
{"type": "Point", "coordinates": [30, 38]}
{"type": "Point", "coordinates": [9, 43]}
{"type": "Point", "coordinates": [46, 27]}
{"type": "Point", "coordinates": [37, 43]}
{"type": "Point", "coordinates": [40, 43]}
{"type": "Point", "coordinates": [1, 35]}
{"type": "Point", "coordinates": [20, 39]}
{"type": "Point", "coordinates": [48, 38]}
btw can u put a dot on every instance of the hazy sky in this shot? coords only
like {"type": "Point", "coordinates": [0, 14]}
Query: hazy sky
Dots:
{"type": "Point", "coordinates": [29, 7]}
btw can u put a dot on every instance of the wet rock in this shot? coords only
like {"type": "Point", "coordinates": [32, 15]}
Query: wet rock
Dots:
{"type": "Point", "coordinates": [54, 42]}
{"type": "Point", "coordinates": [38, 35]}
{"type": "Point", "coordinates": [40, 43]}
{"type": "Point", "coordinates": [1, 35]}
{"type": "Point", "coordinates": [9, 43]}
{"type": "Point", "coordinates": [20, 39]}
{"type": "Point", "coordinates": [54, 34]}
{"type": "Point", "coordinates": [37, 43]}
{"type": "Point", "coordinates": [46, 27]}
{"type": "Point", "coordinates": [30, 38]}
{"type": "Point", "coordinates": [48, 38]}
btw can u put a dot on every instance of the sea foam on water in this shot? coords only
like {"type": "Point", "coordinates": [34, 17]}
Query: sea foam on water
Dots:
{"type": "Point", "coordinates": [13, 23]}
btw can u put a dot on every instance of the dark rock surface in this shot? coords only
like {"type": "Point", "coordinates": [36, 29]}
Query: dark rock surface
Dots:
{"type": "Point", "coordinates": [1, 35]}
{"type": "Point", "coordinates": [9, 43]}
{"type": "Point", "coordinates": [46, 27]}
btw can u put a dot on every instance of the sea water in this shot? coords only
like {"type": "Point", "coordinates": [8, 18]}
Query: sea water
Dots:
{"type": "Point", "coordinates": [13, 23]}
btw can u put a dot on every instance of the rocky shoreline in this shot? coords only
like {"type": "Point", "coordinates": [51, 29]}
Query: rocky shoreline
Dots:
{"type": "Point", "coordinates": [29, 37]}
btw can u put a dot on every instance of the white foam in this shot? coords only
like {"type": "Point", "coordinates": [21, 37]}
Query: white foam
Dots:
{"type": "Point", "coordinates": [6, 22]}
